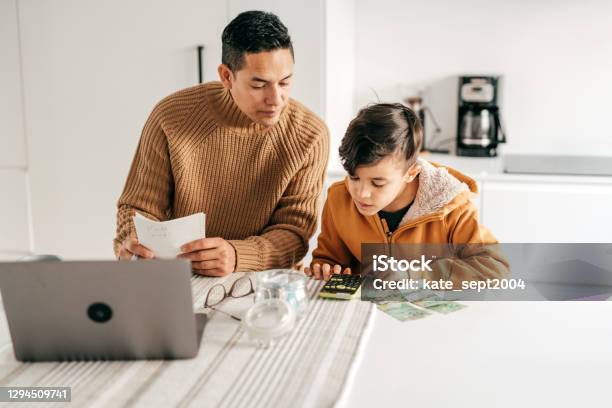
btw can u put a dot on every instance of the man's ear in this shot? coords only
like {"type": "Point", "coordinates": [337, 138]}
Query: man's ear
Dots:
{"type": "Point", "coordinates": [412, 172]}
{"type": "Point", "coordinates": [225, 75]}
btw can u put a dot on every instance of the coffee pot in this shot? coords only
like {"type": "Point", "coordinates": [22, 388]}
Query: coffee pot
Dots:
{"type": "Point", "coordinates": [480, 128]}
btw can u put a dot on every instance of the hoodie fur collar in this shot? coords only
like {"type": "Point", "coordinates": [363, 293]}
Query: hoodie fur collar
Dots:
{"type": "Point", "coordinates": [438, 186]}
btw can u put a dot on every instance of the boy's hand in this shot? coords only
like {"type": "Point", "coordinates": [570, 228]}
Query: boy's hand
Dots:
{"type": "Point", "coordinates": [325, 270]}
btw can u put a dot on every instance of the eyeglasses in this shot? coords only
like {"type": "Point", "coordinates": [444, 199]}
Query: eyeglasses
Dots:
{"type": "Point", "coordinates": [240, 288]}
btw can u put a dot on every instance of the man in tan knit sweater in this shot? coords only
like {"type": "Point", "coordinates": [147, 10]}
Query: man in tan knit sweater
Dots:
{"type": "Point", "coordinates": [238, 150]}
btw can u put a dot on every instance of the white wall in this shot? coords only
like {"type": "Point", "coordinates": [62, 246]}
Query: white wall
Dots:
{"type": "Point", "coordinates": [12, 142]}
{"type": "Point", "coordinates": [556, 57]}
{"type": "Point", "coordinates": [14, 213]}
{"type": "Point", "coordinates": [92, 73]}
{"type": "Point", "coordinates": [339, 72]}
{"type": "Point", "coordinates": [15, 233]}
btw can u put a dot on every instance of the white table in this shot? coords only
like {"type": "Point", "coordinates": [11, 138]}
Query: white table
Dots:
{"type": "Point", "coordinates": [491, 354]}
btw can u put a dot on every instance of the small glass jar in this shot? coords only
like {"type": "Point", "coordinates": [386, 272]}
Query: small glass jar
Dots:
{"type": "Point", "coordinates": [269, 320]}
{"type": "Point", "coordinates": [285, 284]}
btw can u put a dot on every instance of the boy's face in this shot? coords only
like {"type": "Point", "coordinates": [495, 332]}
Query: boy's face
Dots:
{"type": "Point", "coordinates": [382, 185]}
{"type": "Point", "coordinates": [261, 87]}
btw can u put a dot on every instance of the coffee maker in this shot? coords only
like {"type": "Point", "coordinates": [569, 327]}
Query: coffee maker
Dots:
{"type": "Point", "coordinates": [479, 125]}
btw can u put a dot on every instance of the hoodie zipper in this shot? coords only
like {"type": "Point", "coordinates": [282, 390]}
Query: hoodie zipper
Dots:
{"type": "Point", "coordinates": [387, 234]}
{"type": "Point", "coordinates": [385, 229]}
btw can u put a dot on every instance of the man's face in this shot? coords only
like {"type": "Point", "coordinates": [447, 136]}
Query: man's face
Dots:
{"type": "Point", "coordinates": [380, 185]}
{"type": "Point", "coordinates": [261, 87]}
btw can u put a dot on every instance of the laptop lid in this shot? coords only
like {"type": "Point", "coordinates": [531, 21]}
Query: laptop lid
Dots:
{"type": "Point", "coordinates": [99, 310]}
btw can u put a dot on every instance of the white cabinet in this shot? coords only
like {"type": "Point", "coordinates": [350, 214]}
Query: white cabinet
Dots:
{"type": "Point", "coordinates": [12, 142]}
{"type": "Point", "coordinates": [541, 209]}
{"type": "Point", "coordinates": [14, 220]}
{"type": "Point", "coordinates": [92, 73]}
{"type": "Point", "coordinates": [14, 213]}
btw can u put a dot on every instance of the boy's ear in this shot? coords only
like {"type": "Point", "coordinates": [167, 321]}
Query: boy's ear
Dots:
{"type": "Point", "coordinates": [412, 172]}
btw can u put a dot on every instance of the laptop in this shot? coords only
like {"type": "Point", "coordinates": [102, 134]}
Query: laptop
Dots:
{"type": "Point", "coordinates": [100, 310]}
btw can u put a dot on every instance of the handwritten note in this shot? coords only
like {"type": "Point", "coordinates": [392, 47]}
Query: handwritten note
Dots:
{"type": "Point", "coordinates": [165, 238]}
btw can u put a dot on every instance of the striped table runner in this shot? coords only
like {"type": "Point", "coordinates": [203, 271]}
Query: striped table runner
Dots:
{"type": "Point", "coordinates": [309, 367]}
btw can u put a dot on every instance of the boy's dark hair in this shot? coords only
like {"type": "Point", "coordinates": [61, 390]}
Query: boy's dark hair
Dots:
{"type": "Point", "coordinates": [252, 32]}
{"type": "Point", "coordinates": [378, 131]}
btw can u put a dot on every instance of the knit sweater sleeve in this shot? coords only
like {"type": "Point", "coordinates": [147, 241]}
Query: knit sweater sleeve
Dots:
{"type": "Point", "coordinates": [284, 241]}
{"type": "Point", "coordinates": [149, 185]}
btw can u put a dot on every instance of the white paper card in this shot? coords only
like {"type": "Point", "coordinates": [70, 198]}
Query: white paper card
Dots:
{"type": "Point", "coordinates": [165, 238]}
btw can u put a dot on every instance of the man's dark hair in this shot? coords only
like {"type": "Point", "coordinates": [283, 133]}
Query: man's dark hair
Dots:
{"type": "Point", "coordinates": [378, 131]}
{"type": "Point", "coordinates": [252, 32]}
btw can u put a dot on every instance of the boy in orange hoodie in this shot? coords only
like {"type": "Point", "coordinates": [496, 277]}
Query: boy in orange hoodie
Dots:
{"type": "Point", "coordinates": [393, 196]}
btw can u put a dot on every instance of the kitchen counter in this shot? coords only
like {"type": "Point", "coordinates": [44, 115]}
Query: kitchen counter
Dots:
{"type": "Point", "coordinates": [492, 169]}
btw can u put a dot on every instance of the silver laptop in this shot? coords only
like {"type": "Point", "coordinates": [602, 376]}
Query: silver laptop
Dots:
{"type": "Point", "coordinates": [100, 310]}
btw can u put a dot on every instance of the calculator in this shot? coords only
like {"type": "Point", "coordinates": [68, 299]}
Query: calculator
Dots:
{"type": "Point", "coordinates": [342, 287]}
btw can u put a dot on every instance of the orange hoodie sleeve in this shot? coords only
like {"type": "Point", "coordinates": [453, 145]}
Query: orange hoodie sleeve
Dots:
{"type": "Point", "coordinates": [330, 247]}
{"type": "Point", "coordinates": [481, 259]}
{"type": "Point", "coordinates": [464, 228]}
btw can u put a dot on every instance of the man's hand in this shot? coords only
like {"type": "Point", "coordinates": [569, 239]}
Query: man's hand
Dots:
{"type": "Point", "coordinates": [131, 247]}
{"type": "Point", "coordinates": [210, 256]}
{"type": "Point", "coordinates": [324, 271]}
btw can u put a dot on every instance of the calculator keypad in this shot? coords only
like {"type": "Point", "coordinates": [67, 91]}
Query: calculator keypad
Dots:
{"type": "Point", "coordinates": [343, 283]}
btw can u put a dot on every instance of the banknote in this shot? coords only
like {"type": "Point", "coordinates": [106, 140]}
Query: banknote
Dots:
{"type": "Point", "coordinates": [385, 296]}
{"type": "Point", "coordinates": [403, 311]}
{"type": "Point", "coordinates": [440, 306]}
{"type": "Point", "coordinates": [414, 296]}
